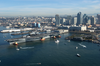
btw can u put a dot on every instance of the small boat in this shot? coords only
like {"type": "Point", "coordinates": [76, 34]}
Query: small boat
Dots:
{"type": "Point", "coordinates": [15, 43]}
{"type": "Point", "coordinates": [57, 41]}
{"type": "Point", "coordinates": [17, 49]}
{"type": "Point", "coordinates": [42, 39]}
{"type": "Point", "coordinates": [54, 37]}
{"type": "Point", "coordinates": [76, 47]}
{"type": "Point", "coordinates": [68, 40]}
{"type": "Point", "coordinates": [78, 55]}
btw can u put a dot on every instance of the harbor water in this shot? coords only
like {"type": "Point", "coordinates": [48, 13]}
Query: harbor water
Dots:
{"type": "Point", "coordinates": [48, 53]}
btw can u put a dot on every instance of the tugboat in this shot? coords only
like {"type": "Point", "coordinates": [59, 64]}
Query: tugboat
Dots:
{"type": "Point", "coordinates": [54, 37]}
{"type": "Point", "coordinates": [42, 39]}
{"type": "Point", "coordinates": [58, 36]}
{"type": "Point", "coordinates": [15, 43]}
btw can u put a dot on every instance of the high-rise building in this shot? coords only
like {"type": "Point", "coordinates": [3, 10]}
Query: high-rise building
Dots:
{"type": "Point", "coordinates": [86, 19]}
{"type": "Point", "coordinates": [62, 20]}
{"type": "Point", "coordinates": [98, 16]}
{"type": "Point", "coordinates": [79, 18]}
{"type": "Point", "coordinates": [57, 20]}
{"type": "Point", "coordinates": [93, 20]}
{"type": "Point", "coordinates": [89, 21]}
{"type": "Point", "coordinates": [74, 20]}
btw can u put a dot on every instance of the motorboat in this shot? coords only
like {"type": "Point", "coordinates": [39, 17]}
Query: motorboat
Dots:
{"type": "Point", "coordinates": [76, 47]}
{"type": "Point", "coordinates": [57, 41]}
{"type": "Point", "coordinates": [17, 49]}
{"type": "Point", "coordinates": [78, 55]}
{"type": "Point", "coordinates": [68, 40]}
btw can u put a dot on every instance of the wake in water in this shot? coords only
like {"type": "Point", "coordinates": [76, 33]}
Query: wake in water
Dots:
{"type": "Point", "coordinates": [26, 47]}
{"type": "Point", "coordinates": [28, 64]}
{"type": "Point", "coordinates": [82, 45]}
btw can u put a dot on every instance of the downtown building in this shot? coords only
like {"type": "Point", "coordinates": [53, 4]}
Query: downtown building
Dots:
{"type": "Point", "coordinates": [86, 20]}
{"type": "Point", "coordinates": [98, 16]}
{"type": "Point", "coordinates": [93, 20]}
{"type": "Point", "coordinates": [79, 18]}
{"type": "Point", "coordinates": [74, 21]}
{"type": "Point", "coordinates": [57, 20]}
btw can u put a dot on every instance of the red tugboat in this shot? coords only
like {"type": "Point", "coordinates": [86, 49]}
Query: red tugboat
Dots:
{"type": "Point", "coordinates": [15, 43]}
{"type": "Point", "coordinates": [42, 39]}
{"type": "Point", "coordinates": [58, 36]}
{"type": "Point", "coordinates": [54, 37]}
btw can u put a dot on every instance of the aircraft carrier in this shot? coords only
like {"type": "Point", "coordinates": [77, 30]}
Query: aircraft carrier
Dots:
{"type": "Point", "coordinates": [29, 38]}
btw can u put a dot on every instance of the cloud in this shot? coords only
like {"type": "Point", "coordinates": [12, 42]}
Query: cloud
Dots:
{"type": "Point", "coordinates": [97, 6]}
{"type": "Point", "coordinates": [91, 1]}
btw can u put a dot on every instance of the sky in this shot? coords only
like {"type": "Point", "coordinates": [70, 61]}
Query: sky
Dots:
{"type": "Point", "coordinates": [48, 7]}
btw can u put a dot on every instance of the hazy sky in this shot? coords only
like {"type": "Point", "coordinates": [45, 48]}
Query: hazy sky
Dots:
{"type": "Point", "coordinates": [48, 7]}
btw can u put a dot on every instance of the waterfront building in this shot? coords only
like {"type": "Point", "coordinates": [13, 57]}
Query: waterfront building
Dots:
{"type": "Point", "coordinates": [98, 16]}
{"type": "Point", "coordinates": [74, 20]}
{"type": "Point", "coordinates": [93, 20]}
{"type": "Point", "coordinates": [79, 18]}
{"type": "Point", "coordinates": [57, 20]}
{"type": "Point", "coordinates": [34, 24]}
{"type": "Point", "coordinates": [63, 27]}
{"type": "Point", "coordinates": [38, 25]}
{"type": "Point", "coordinates": [78, 28]}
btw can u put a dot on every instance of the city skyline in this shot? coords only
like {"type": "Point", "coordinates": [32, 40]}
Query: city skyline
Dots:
{"type": "Point", "coordinates": [48, 8]}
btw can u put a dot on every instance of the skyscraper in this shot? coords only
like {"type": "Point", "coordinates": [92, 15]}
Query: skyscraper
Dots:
{"type": "Point", "coordinates": [57, 20]}
{"type": "Point", "coordinates": [86, 19]}
{"type": "Point", "coordinates": [98, 16]}
{"type": "Point", "coordinates": [62, 20]}
{"type": "Point", "coordinates": [93, 21]}
{"type": "Point", "coordinates": [79, 18]}
{"type": "Point", "coordinates": [74, 20]}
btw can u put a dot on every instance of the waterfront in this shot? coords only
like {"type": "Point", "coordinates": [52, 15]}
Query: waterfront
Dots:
{"type": "Point", "coordinates": [48, 53]}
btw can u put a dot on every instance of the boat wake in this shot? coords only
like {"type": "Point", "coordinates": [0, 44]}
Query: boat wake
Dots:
{"type": "Point", "coordinates": [82, 45]}
{"type": "Point", "coordinates": [31, 64]}
{"type": "Point", "coordinates": [26, 47]}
